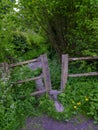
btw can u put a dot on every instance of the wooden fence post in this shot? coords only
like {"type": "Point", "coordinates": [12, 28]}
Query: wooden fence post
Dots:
{"type": "Point", "coordinates": [64, 73]}
{"type": "Point", "coordinates": [34, 66]}
{"type": "Point", "coordinates": [4, 69]}
{"type": "Point", "coordinates": [46, 72]}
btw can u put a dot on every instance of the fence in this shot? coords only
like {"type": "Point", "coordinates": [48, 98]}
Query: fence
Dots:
{"type": "Point", "coordinates": [42, 62]}
{"type": "Point", "coordinates": [42, 87]}
{"type": "Point", "coordinates": [65, 75]}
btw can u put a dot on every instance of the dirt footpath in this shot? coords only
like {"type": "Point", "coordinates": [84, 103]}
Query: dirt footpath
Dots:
{"type": "Point", "coordinates": [46, 123]}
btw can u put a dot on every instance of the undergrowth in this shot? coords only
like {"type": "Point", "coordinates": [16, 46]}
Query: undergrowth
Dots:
{"type": "Point", "coordinates": [16, 104]}
{"type": "Point", "coordinates": [80, 96]}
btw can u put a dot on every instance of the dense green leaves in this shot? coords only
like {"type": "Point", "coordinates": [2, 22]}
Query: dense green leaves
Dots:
{"type": "Point", "coordinates": [69, 25]}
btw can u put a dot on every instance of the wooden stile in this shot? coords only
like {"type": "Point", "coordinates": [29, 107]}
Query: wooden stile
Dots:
{"type": "Point", "coordinates": [41, 62]}
{"type": "Point", "coordinates": [35, 63]}
{"type": "Point", "coordinates": [64, 73]}
{"type": "Point", "coordinates": [42, 87]}
{"type": "Point", "coordinates": [46, 72]}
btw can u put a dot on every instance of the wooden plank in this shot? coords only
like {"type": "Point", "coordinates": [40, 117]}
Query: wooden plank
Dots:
{"type": "Point", "coordinates": [38, 92]}
{"type": "Point", "coordinates": [6, 68]}
{"type": "Point", "coordinates": [46, 72]}
{"type": "Point", "coordinates": [83, 74]}
{"type": "Point", "coordinates": [64, 73]}
{"type": "Point", "coordinates": [35, 65]}
{"type": "Point", "coordinates": [29, 79]}
{"type": "Point", "coordinates": [24, 62]}
{"type": "Point", "coordinates": [34, 93]}
{"type": "Point", "coordinates": [39, 84]}
{"type": "Point", "coordinates": [54, 92]}
{"type": "Point", "coordinates": [83, 58]}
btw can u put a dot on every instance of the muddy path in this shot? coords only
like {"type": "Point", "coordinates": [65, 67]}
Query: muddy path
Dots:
{"type": "Point", "coordinates": [46, 123]}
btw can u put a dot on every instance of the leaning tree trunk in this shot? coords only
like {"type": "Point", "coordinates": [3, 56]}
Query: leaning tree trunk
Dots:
{"type": "Point", "coordinates": [56, 32]}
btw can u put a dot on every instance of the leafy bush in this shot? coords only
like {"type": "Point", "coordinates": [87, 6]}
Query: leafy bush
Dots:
{"type": "Point", "coordinates": [28, 45]}
{"type": "Point", "coordinates": [93, 105]}
{"type": "Point", "coordinates": [13, 108]}
{"type": "Point", "coordinates": [55, 71]}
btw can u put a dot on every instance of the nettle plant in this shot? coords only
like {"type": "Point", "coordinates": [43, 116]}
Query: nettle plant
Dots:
{"type": "Point", "coordinates": [93, 110]}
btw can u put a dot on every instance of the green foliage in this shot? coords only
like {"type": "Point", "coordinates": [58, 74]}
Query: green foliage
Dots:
{"type": "Point", "coordinates": [13, 109]}
{"type": "Point", "coordinates": [16, 40]}
{"type": "Point", "coordinates": [55, 71]}
{"type": "Point", "coordinates": [9, 21]}
{"type": "Point", "coordinates": [23, 72]}
{"type": "Point", "coordinates": [21, 45]}
{"type": "Point", "coordinates": [28, 45]}
{"type": "Point", "coordinates": [46, 106]}
{"type": "Point", "coordinates": [93, 108]}
{"type": "Point", "coordinates": [71, 26]}
{"type": "Point", "coordinates": [7, 108]}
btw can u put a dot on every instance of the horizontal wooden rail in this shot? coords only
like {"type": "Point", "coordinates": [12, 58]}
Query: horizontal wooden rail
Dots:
{"type": "Point", "coordinates": [54, 92]}
{"type": "Point", "coordinates": [83, 58]}
{"type": "Point", "coordinates": [34, 93]}
{"type": "Point", "coordinates": [29, 79]}
{"type": "Point", "coordinates": [24, 62]}
{"type": "Point", "coordinates": [83, 74]}
{"type": "Point", "coordinates": [38, 92]}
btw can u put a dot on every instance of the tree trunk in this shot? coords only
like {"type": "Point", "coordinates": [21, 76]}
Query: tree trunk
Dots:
{"type": "Point", "coordinates": [56, 35]}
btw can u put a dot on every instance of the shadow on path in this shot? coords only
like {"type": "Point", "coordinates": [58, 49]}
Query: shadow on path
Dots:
{"type": "Point", "coordinates": [46, 123]}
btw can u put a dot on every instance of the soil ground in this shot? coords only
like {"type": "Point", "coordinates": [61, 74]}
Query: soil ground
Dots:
{"type": "Point", "coordinates": [46, 123]}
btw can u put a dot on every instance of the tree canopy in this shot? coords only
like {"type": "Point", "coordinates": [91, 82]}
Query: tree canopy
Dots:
{"type": "Point", "coordinates": [71, 26]}
{"type": "Point", "coordinates": [66, 26]}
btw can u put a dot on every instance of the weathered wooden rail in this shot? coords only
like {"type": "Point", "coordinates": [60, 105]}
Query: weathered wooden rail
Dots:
{"type": "Point", "coordinates": [40, 62]}
{"type": "Point", "coordinates": [42, 87]}
{"type": "Point", "coordinates": [65, 75]}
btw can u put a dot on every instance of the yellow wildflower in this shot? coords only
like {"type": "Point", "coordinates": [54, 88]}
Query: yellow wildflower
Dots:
{"type": "Point", "coordinates": [86, 99]}
{"type": "Point", "coordinates": [75, 107]}
{"type": "Point", "coordinates": [78, 103]}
